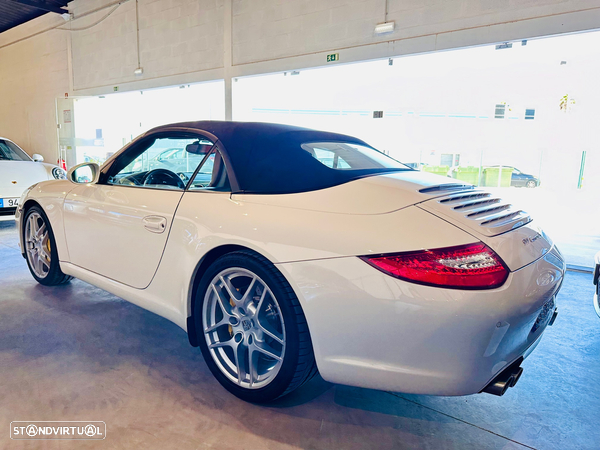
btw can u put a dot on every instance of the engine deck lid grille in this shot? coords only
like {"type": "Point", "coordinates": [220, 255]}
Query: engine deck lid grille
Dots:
{"type": "Point", "coordinates": [478, 210]}
{"type": "Point", "coordinates": [442, 188]}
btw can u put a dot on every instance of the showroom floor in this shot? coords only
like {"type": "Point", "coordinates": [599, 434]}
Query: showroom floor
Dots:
{"type": "Point", "coordinates": [79, 353]}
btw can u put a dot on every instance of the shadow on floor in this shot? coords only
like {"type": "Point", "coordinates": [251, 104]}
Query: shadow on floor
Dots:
{"type": "Point", "coordinates": [76, 352]}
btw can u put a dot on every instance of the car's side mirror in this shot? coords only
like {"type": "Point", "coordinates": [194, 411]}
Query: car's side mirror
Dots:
{"type": "Point", "coordinates": [37, 157]}
{"type": "Point", "coordinates": [85, 173]}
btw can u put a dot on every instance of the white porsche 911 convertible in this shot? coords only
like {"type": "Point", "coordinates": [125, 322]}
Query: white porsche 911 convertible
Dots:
{"type": "Point", "coordinates": [17, 172]}
{"type": "Point", "coordinates": [284, 251]}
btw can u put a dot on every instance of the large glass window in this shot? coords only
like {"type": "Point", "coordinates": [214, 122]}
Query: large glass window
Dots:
{"type": "Point", "coordinates": [520, 121]}
{"type": "Point", "coordinates": [104, 124]}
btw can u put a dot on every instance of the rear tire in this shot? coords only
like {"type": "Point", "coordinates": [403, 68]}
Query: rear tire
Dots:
{"type": "Point", "coordinates": [251, 329]}
{"type": "Point", "coordinates": [40, 248]}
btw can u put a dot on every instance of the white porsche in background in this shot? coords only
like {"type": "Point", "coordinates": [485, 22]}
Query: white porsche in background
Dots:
{"type": "Point", "coordinates": [300, 250]}
{"type": "Point", "coordinates": [17, 172]}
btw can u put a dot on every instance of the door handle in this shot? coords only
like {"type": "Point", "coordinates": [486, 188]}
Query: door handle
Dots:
{"type": "Point", "coordinates": [155, 224]}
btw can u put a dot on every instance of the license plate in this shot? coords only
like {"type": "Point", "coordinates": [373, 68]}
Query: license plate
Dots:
{"type": "Point", "coordinates": [9, 202]}
{"type": "Point", "coordinates": [545, 315]}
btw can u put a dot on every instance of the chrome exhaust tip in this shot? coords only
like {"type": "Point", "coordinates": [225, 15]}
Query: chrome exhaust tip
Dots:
{"type": "Point", "coordinates": [497, 388]}
{"type": "Point", "coordinates": [506, 379]}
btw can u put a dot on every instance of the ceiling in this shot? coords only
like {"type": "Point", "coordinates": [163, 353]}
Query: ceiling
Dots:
{"type": "Point", "coordinates": [16, 12]}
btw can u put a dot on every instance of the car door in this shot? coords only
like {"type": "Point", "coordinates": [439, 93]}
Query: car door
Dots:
{"type": "Point", "coordinates": [118, 227]}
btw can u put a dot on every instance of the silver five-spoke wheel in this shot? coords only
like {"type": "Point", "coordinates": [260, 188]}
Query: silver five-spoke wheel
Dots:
{"type": "Point", "coordinates": [37, 245]}
{"type": "Point", "coordinates": [244, 328]}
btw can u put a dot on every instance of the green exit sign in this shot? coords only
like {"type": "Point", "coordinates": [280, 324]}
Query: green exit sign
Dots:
{"type": "Point", "coordinates": [333, 57]}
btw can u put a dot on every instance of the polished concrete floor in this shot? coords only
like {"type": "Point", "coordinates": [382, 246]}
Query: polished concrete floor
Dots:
{"type": "Point", "coordinates": [79, 353]}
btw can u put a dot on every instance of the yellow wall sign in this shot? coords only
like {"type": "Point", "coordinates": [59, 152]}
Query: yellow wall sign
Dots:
{"type": "Point", "coordinates": [333, 57]}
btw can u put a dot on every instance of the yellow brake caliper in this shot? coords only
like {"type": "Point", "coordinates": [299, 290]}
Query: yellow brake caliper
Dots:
{"type": "Point", "coordinates": [229, 327]}
{"type": "Point", "coordinates": [48, 247]}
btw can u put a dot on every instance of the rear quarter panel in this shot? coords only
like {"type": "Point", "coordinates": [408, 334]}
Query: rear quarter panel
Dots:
{"type": "Point", "coordinates": [206, 220]}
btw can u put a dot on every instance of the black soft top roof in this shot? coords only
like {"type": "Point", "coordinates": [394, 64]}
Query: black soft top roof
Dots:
{"type": "Point", "coordinates": [267, 158]}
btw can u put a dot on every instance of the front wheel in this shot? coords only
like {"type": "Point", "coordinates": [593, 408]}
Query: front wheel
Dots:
{"type": "Point", "coordinates": [531, 184]}
{"type": "Point", "coordinates": [40, 249]}
{"type": "Point", "coordinates": [251, 328]}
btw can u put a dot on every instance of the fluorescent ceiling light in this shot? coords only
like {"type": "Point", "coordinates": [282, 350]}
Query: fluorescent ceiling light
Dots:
{"type": "Point", "coordinates": [383, 28]}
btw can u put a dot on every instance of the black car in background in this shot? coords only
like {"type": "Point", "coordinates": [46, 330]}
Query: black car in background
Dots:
{"type": "Point", "coordinates": [520, 179]}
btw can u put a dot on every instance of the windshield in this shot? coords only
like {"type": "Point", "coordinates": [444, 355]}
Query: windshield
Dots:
{"type": "Point", "coordinates": [11, 152]}
{"type": "Point", "coordinates": [345, 156]}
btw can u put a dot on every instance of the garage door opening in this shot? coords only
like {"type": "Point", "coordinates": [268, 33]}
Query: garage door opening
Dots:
{"type": "Point", "coordinates": [519, 118]}
{"type": "Point", "coordinates": [104, 124]}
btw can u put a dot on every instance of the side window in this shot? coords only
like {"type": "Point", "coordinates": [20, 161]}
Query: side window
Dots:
{"type": "Point", "coordinates": [330, 159]}
{"type": "Point", "coordinates": [348, 156]}
{"type": "Point", "coordinates": [212, 174]}
{"type": "Point", "coordinates": [163, 163]}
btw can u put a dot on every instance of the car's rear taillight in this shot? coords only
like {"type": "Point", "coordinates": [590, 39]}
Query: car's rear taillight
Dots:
{"type": "Point", "coordinates": [472, 266]}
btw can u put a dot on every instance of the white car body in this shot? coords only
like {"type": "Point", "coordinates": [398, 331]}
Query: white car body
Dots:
{"type": "Point", "coordinates": [597, 283]}
{"type": "Point", "coordinates": [368, 329]}
{"type": "Point", "coordinates": [16, 176]}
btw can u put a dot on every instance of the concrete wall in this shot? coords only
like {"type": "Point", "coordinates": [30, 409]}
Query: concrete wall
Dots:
{"type": "Point", "coordinates": [193, 40]}
{"type": "Point", "coordinates": [33, 73]}
{"type": "Point", "coordinates": [300, 27]}
{"type": "Point", "coordinates": [184, 41]}
{"type": "Point", "coordinates": [175, 37]}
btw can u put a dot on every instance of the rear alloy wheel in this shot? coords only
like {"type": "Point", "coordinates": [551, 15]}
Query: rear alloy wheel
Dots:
{"type": "Point", "coordinates": [531, 184]}
{"type": "Point", "coordinates": [251, 328]}
{"type": "Point", "coordinates": [597, 300]}
{"type": "Point", "coordinates": [40, 249]}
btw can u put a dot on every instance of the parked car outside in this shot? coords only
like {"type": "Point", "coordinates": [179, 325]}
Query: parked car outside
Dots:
{"type": "Point", "coordinates": [305, 251]}
{"type": "Point", "coordinates": [521, 179]}
{"type": "Point", "coordinates": [18, 171]}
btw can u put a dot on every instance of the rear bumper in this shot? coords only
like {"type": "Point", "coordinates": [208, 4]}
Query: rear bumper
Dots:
{"type": "Point", "coordinates": [375, 331]}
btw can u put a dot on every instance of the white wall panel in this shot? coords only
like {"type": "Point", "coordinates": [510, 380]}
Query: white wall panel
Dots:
{"type": "Point", "coordinates": [175, 37]}
{"type": "Point", "coordinates": [270, 29]}
{"type": "Point", "coordinates": [106, 53]}
{"type": "Point", "coordinates": [264, 30]}
{"type": "Point", "coordinates": [33, 73]}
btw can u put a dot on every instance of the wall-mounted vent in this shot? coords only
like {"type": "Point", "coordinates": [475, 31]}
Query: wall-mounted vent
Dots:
{"type": "Point", "coordinates": [529, 114]}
